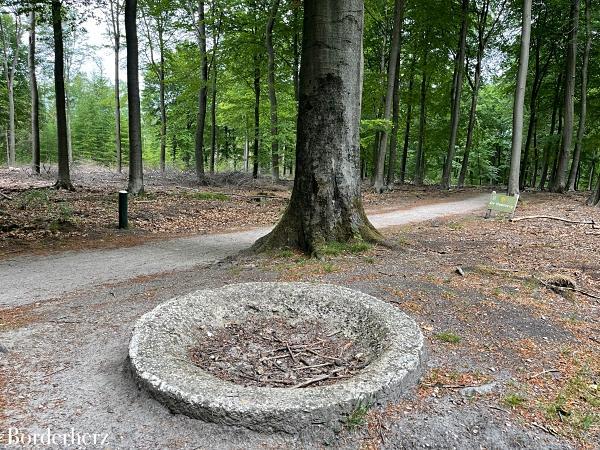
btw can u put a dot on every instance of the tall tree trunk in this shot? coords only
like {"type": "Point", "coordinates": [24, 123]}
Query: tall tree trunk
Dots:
{"type": "Point", "coordinates": [472, 112]}
{"type": "Point", "coordinates": [136, 177]}
{"type": "Point", "coordinates": [202, 94]}
{"type": "Point", "coordinates": [161, 94]}
{"type": "Point", "coordinates": [559, 184]}
{"type": "Point", "coordinates": [379, 183]}
{"type": "Point", "coordinates": [455, 118]}
{"type": "Point", "coordinates": [420, 155]}
{"type": "Point", "coordinates": [517, 135]}
{"type": "Point", "coordinates": [213, 114]}
{"type": "Point", "coordinates": [326, 203]}
{"type": "Point", "coordinates": [548, 146]}
{"type": "Point", "coordinates": [256, 116]}
{"type": "Point", "coordinates": [115, 25]}
{"type": "Point", "coordinates": [64, 177]}
{"type": "Point", "coordinates": [35, 99]}
{"type": "Point", "coordinates": [583, 110]}
{"type": "Point", "coordinates": [10, 72]}
{"type": "Point", "coordinates": [272, 93]}
{"type": "Point", "coordinates": [296, 51]}
{"type": "Point", "coordinates": [404, 159]}
{"type": "Point", "coordinates": [391, 173]}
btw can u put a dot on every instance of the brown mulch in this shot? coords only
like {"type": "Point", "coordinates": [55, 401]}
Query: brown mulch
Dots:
{"type": "Point", "coordinates": [275, 352]}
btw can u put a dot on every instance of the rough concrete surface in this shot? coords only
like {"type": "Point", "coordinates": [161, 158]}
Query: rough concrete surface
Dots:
{"type": "Point", "coordinates": [159, 355]}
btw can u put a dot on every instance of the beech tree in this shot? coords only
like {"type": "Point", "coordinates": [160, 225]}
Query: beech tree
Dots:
{"type": "Point", "coordinates": [517, 131]}
{"type": "Point", "coordinates": [326, 204]}
{"type": "Point", "coordinates": [35, 100]}
{"type": "Point", "coordinates": [136, 176]}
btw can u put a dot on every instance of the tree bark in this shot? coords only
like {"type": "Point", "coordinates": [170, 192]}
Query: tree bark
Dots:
{"type": "Point", "coordinates": [272, 92]}
{"type": "Point", "coordinates": [202, 94]}
{"type": "Point", "coordinates": [326, 204]}
{"type": "Point", "coordinates": [35, 99]}
{"type": "Point", "coordinates": [583, 110]}
{"type": "Point", "coordinates": [64, 177]}
{"type": "Point", "coordinates": [517, 137]}
{"type": "Point", "coordinates": [559, 183]}
{"type": "Point", "coordinates": [379, 184]}
{"type": "Point", "coordinates": [136, 177]}
{"type": "Point", "coordinates": [455, 118]}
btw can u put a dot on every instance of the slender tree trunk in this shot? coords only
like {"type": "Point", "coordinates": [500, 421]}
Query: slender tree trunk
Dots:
{"type": "Point", "coordinates": [517, 135]}
{"type": "Point", "coordinates": [64, 177]}
{"type": "Point", "coordinates": [326, 203]}
{"type": "Point", "coordinates": [583, 110]}
{"type": "Point", "coordinates": [379, 184]}
{"type": "Point", "coordinates": [454, 121]}
{"type": "Point", "coordinates": [115, 24]}
{"type": "Point", "coordinates": [213, 114]}
{"type": "Point", "coordinates": [391, 174]}
{"type": "Point", "coordinates": [10, 72]}
{"type": "Point", "coordinates": [136, 177]}
{"type": "Point", "coordinates": [202, 94]}
{"type": "Point", "coordinates": [35, 99]}
{"type": "Point", "coordinates": [404, 159]}
{"type": "Point", "coordinates": [548, 145]}
{"type": "Point", "coordinates": [559, 184]}
{"type": "Point", "coordinates": [272, 92]}
{"type": "Point", "coordinates": [472, 113]}
{"type": "Point", "coordinates": [256, 116]}
{"type": "Point", "coordinates": [161, 94]}
{"type": "Point", "coordinates": [420, 155]}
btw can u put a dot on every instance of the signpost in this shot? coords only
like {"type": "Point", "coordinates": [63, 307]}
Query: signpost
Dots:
{"type": "Point", "coordinates": [500, 203]}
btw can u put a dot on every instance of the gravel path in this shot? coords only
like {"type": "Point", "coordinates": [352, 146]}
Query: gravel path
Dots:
{"type": "Point", "coordinates": [30, 279]}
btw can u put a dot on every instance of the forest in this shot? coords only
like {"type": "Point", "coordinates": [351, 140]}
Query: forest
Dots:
{"type": "Point", "coordinates": [219, 89]}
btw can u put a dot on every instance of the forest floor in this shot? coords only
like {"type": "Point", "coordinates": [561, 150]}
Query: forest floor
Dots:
{"type": "Point", "coordinates": [513, 362]}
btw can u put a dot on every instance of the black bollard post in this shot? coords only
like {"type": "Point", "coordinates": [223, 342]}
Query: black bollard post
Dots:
{"type": "Point", "coordinates": [122, 209]}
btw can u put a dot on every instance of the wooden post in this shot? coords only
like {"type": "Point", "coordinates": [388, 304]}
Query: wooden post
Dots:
{"type": "Point", "coordinates": [123, 210]}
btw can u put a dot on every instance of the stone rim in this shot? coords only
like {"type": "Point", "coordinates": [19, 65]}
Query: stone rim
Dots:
{"type": "Point", "coordinates": [159, 362]}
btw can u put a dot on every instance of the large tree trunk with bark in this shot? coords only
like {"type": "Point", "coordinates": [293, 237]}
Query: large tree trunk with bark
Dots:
{"type": "Point", "coordinates": [559, 183]}
{"type": "Point", "coordinates": [379, 183]}
{"type": "Point", "coordinates": [326, 203]}
{"type": "Point", "coordinates": [136, 177]}
{"type": "Point", "coordinates": [517, 134]}
{"type": "Point", "coordinates": [202, 95]}
{"type": "Point", "coordinates": [35, 99]}
{"type": "Point", "coordinates": [583, 108]}
{"type": "Point", "coordinates": [64, 177]}
{"type": "Point", "coordinates": [272, 92]}
{"type": "Point", "coordinates": [455, 118]}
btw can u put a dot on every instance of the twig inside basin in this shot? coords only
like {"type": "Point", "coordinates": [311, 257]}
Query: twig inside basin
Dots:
{"type": "Point", "coordinates": [276, 352]}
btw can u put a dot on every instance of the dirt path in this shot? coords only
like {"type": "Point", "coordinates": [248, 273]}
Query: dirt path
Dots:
{"type": "Point", "coordinates": [30, 279]}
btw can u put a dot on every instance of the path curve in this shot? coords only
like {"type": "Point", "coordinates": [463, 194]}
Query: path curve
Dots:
{"type": "Point", "coordinates": [29, 279]}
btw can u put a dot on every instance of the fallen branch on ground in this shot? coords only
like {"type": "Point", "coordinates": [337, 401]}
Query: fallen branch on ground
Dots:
{"type": "Point", "coordinates": [565, 288]}
{"type": "Point", "coordinates": [580, 222]}
{"type": "Point", "coordinates": [5, 196]}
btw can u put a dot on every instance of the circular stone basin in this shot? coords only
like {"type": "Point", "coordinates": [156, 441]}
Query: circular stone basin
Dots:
{"type": "Point", "coordinates": [159, 355]}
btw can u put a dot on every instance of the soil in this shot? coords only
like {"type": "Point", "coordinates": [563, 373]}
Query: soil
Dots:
{"type": "Point", "coordinates": [37, 219]}
{"type": "Point", "coordinates": [513, 363]}
{"type": "Point", "coordinates": [275, 352]}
